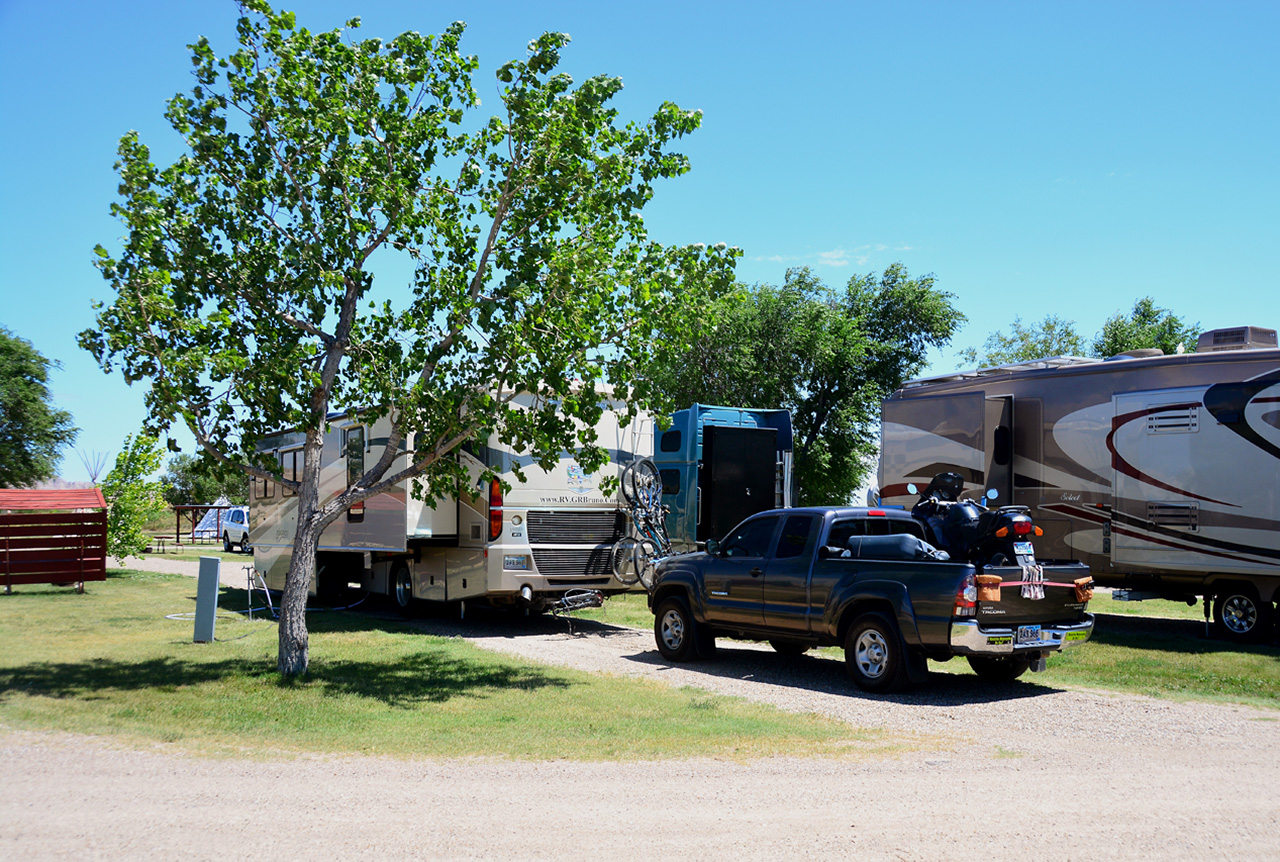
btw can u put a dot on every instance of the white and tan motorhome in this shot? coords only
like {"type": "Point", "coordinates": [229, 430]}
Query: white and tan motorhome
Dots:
{"type": "Point", "coordinates": [1162, 473]}
{"type": "Point", "coordinates": [547, 535]}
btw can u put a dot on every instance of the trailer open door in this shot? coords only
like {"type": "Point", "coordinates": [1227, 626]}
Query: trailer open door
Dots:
{"type": "Point", "coordinates": [998, 448]}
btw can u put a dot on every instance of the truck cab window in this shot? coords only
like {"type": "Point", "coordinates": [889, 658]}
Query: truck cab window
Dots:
{"type": "Point", "coordinates": [795, 536]}
{"type": "Point", "coordinates": [750, 539]}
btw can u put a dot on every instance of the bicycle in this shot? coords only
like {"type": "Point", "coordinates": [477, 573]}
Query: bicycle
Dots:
{"type": "Point", "coordinates": [635, 557]}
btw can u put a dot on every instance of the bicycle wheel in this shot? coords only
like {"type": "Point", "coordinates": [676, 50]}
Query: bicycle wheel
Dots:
{"type": "Point", "coordinates": [640, 481]}
{"type": "Point", "coordinates": [623, 560]}
{"type": "Point", "coordinates": [645, 556]}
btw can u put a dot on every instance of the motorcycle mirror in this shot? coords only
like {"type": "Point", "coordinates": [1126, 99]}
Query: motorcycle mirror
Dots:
{"type": "Point", "coordinates": [911, 488]}
{"type": "Point", "coordinates": [993, 494]}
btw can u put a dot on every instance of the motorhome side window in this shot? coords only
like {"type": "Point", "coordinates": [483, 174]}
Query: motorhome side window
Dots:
{"type": "Point", "coordinates": [288, 470]}
{"type": "Point", "coordinates": [355, 466]}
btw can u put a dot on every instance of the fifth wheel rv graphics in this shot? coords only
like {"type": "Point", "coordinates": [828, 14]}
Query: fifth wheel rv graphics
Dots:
{"type": "Point", "coordinates": [1162, 473]}
{"type": "Point", "coordinates": [548, 536]}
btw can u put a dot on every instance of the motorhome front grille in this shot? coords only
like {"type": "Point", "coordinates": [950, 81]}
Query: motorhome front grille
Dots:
{"type": "Point", "coordinates": [576, 528]}
{"type": "Point", "coordinates": [572, 562]}
{"type": "Point", "coordinates": [1185, 516]}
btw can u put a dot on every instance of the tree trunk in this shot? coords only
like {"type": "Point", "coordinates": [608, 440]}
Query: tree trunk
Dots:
{"type": "Point", "coordinates": [294, 654]}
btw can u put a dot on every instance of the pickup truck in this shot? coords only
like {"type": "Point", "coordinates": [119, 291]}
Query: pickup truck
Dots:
{"type": "Point", "coordinates": [867, 580]}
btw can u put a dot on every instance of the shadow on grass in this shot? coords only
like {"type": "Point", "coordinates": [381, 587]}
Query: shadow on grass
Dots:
{"type": "Point", "coordinates": [1169, 635]}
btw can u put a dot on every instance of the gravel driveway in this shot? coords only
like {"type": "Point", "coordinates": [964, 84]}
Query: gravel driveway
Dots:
{"type": "Point", "coordinates": [1027, 771]}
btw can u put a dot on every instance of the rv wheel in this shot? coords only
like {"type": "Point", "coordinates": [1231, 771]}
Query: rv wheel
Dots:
{"type": "Point", "coordinates": [402, 589]}
{"type": "Point", "coordinates": [1240, 615]}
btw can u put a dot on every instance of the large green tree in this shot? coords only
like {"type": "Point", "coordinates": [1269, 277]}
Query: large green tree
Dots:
{"type": "Point", "coordinates": [191, 480]}
{"type": "Point", "coordinates": [1052, 336]}
{"type": "Point", "coordinates": [1145, 327]}
{"type": "Point", "coordinates": [32, 433]}
{"type": "Point", "coordinates": [245, 292]}
{"type": "Point", "coordinates": [829, 356]}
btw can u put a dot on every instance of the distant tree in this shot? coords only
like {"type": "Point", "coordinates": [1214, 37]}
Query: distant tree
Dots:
{"type": "Point", "coordinates": [244, 293]}
{"type": "Point", "coordinates": [191, 480]}
{"type": "Point", "coordinates": [828, 356]}
{"type": "Point", "coordinates": [32, 432]}
{"type": "Point", "coordinates": [132, 495]}
{"type": "Point", "coordinates": [1052, 336]}
{"type": "Point", "coordinates": [1145, 327]}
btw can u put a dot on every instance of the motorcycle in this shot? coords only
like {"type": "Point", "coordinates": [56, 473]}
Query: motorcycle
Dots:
{"type": "Point", "coordinates": [968, 530]}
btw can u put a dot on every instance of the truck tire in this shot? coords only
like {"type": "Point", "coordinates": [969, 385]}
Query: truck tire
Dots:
{"type": "Point", "coordinates": [1240, 615]}
{"type": "Point", "coordinates": [789, 648]}
{"type": "Point", "coordinates": [875, 655]}
{"type": "Point", "coordinates": [226, 543]}
{"type": "Point", "coordinates": [675, 630]}
{"type": "Point", "coordinates": [401, 590]}
{"type": "Point", "coordinates": [999, 669]}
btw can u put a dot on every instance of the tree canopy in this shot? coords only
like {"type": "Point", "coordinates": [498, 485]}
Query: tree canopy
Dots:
{"type": "Point", "coordinates": [190, 480]}
{"type": "Point", "coordinates": [829, 356]}
{"type": "Point", "coordinates": [32, 432]}
{"type": "Point", "coordinates": [1145, 327]}
{"type": "Point", "coordinates": [245, 292]}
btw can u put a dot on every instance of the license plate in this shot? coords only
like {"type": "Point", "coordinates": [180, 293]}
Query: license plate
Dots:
{"type": "Point", "coordinates": [1023, 548]}
{"type": "Point", "coordinates": [1028, 635]}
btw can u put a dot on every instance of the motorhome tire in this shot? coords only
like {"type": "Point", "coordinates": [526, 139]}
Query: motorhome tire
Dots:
{"type": "Point", "coordinates": [402, 589]}
{"type": "Point", "coordinates": [789, 648]}
{"type": "Point", "coordinates": [999, 669]}
{"type": "Point", "coordinates": [1240, 615]}
{"type": "Point", "coordinates": [874, 654]}
{"type": "Point", "coordinates": [675, 630]}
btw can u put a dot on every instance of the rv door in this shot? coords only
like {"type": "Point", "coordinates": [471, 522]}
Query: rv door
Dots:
{"type": "Point", "coordinates": [998, 448]}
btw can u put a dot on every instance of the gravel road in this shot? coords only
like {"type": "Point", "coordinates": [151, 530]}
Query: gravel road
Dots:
{"type": "Point", "coordinates": [1017, 772]}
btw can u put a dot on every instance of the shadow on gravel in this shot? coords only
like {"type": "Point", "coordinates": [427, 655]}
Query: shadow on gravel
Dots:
{"type": "Point", "coordinates": [828, 676]}
{"type": "Point", "coordinates": [1168, 635]}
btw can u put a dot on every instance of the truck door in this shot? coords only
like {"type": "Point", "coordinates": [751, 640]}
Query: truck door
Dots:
{"type": "Point", "coordinates": [734, 579]}
{"type": "Point", "coordinates": [998, 448]}
{"type": "Point", "coordinates": [785, 592]}
{"type": "Point", "coordinates": [737, 478]}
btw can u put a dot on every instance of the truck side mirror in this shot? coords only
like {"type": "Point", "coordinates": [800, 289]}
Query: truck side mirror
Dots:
{"type": "Point", "coordinates": [713, 547]}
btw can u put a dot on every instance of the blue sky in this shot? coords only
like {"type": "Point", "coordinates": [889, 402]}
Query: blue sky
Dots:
{"type": "Point", "coordinates": [1037, 158]}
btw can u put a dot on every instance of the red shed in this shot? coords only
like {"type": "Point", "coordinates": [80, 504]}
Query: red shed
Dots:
{"type": "Point", "coordinates": [53, 536]}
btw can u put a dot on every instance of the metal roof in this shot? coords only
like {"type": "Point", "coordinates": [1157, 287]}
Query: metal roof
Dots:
{"type": "Point", "coordinates": [24, 499]}
{"type": "Point", "coordinates": [1012, 367]}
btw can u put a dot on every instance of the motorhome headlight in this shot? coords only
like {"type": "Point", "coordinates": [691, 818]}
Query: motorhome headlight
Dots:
{"type": "Point", "coordinates": [517, 562]}
{"type": "Point", "coordinates": [516, 520]}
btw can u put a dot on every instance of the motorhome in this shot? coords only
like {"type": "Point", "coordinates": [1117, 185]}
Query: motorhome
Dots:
{"type": "Point", "coordinates": [549, 534]}
{"type": "Point", "coordinates": [1162, 473]}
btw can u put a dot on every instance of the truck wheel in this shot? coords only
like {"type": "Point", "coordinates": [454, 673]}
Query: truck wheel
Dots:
{"type": "Point", "coordinates": [402, 590]}
{"type": "Point", "coordinates": [789, 648]}
{"type": "Point", "coordinates": [1240, 615]}
{"type": "Point", "coordinates": [999, 669]}
{"type": "Point", "coordinates": [675, 630]}
{"type": "Point", "coordinates": [874, 654]}
{"type": "Point", "coordinates": [226, 543]}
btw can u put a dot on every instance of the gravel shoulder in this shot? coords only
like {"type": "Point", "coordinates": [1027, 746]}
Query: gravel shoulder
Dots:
{"type": "Point", "coordinates": [1027, 769]}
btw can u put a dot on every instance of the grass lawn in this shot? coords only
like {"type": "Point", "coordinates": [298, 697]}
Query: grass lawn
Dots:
{"type": "Point", "coordinates": [1157, 648]}
{"type": "Point", "coordinates": [110, 662]}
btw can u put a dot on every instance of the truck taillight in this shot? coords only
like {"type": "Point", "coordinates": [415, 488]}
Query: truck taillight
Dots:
{"type": "Point", "coordinates": [966, 598]}
{"type": "Point", "coordinates": [495, 509]}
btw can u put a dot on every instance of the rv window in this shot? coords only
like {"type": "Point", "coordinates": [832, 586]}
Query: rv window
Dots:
{"type": "Point", "coordinates": [795, 536]}
{"type": "Point", "coordinates": [1003, 443]}
{"type": "Point", "coordinates": [670, 481]}
{"type": "Point", "coordinates": [288, 470]}
{"type": "Point", "coordinates": [670, 441]}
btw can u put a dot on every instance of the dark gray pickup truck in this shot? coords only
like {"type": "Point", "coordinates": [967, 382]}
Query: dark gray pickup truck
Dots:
{"type": "Point", "coordinates": [865, 579]}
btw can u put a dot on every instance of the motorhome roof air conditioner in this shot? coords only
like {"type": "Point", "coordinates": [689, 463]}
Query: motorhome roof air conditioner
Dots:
{"type": "Point", "coordinates": [1236, 338]}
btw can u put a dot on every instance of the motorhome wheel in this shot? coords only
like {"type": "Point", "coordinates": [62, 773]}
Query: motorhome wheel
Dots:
{"type": "Point", "coordinates": [1240, 615]}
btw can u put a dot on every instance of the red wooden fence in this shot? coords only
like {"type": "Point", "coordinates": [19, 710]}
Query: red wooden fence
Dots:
{"type": "Point", "coordinates": [53, 548]}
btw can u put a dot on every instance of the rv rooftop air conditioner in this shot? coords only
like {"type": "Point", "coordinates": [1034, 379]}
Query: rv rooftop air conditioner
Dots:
{"type": "Point", "coordinates": [1236, 338]}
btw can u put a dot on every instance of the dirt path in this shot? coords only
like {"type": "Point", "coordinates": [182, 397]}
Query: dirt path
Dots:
{"type": "Point", "coordinates": [1023, 772]}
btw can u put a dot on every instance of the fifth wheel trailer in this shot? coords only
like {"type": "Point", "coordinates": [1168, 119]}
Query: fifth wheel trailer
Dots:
{"type": "Point", "coordinates": [1162, 473]}
{"type": "Point", "coordinates": [546, 536]}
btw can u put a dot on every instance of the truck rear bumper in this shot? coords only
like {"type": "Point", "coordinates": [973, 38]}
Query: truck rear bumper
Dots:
{"type": "Point", "coordinates": [969, 638]}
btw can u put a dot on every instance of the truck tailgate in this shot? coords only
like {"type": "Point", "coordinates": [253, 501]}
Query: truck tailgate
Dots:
{"type": "Point", "coordinates": [1018, 603]}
